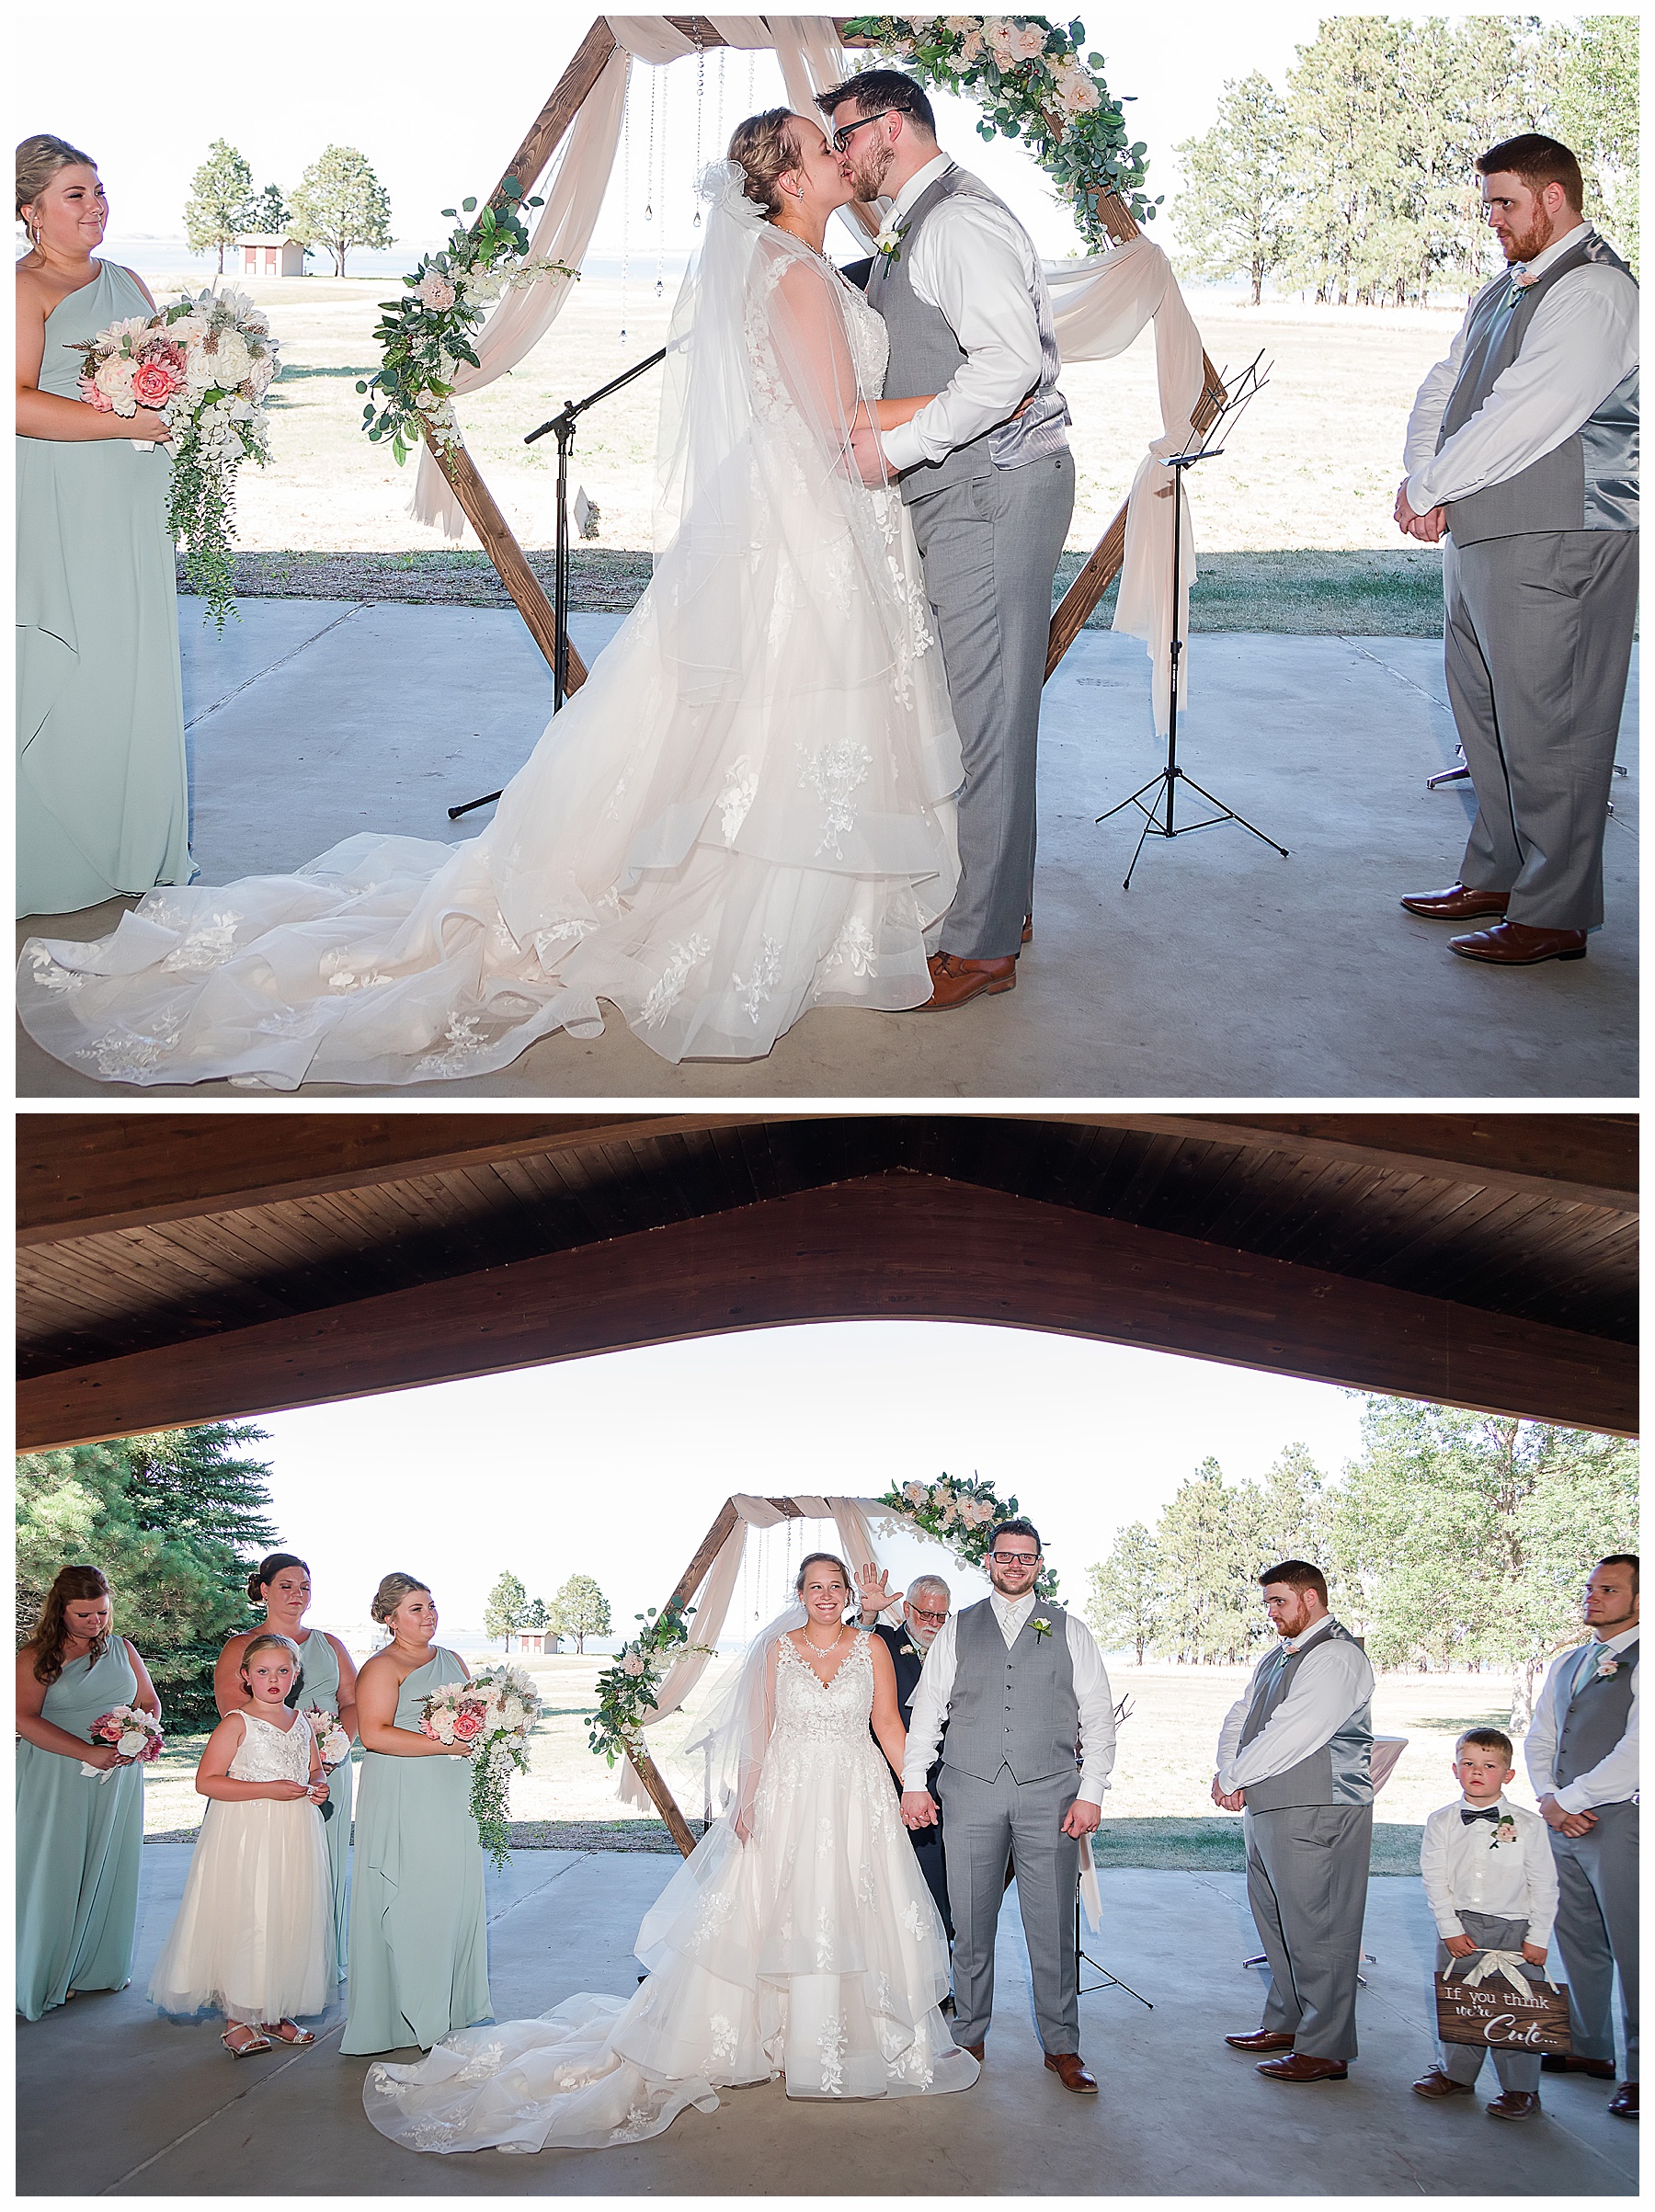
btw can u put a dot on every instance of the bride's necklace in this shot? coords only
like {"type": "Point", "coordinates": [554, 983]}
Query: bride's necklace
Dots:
{"type": "Point", "coordinates": [825, 1649]}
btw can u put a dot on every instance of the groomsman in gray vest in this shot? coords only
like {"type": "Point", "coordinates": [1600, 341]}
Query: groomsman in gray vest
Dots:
{"type": "Point", "coordinates": [1522, 447]}
{"type": "Point", "coordinates": [1581, 1752]}
{"type": "Point", "coordinates": [1022, 1688]}
{"type": "Point", "coordinates": [1293, 1759]}
{"type": "Point", "coordinates": [990, 482]}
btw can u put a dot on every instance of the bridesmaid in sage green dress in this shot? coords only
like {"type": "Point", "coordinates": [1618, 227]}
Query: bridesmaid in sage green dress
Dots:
{"type": "Point", "coordinates": [103, 799]}
{"type": "Point", "coordinates": [281, 1584]}
{"type": "Point", "coordinates": [419, 1941]}
{"type": "Point", "coordinates": [79, 1840]}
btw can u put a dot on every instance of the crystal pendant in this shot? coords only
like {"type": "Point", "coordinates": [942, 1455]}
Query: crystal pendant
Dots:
{"type": "Point", "coordinates": [660, 288]}
{"type": "Point", "coordinates": [696, 224]}
{"type": "Point", "coordinates": [649, 211]}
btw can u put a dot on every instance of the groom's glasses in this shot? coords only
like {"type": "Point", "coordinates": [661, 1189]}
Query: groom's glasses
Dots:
{"type": "Point", "coordinates": [1014, 1559]}
{"type": "Point", "coordinates": [841, 139]}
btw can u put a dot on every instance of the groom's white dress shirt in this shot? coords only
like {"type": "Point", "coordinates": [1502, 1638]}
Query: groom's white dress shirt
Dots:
{"type": "Point", "coordinates": [1614, 1778]}
{"type": "Point", "coordinates": [1581, 342]}
{"type": "Point", "coordinates": [978, 265]}
{"type": "Point", "coordinates": [1466, 1869]}
{"type": "Point", "coordinates": [1093, 1694]}
{"type": "Point", "coordinates": [1323, 1696]}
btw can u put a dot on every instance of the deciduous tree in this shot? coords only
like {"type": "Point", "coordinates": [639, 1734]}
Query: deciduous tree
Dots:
{"type": "Point", "coordinates": [220, 198]}
{"type": "Point", "coordinates": [341, 203]}
{"type": "Point", "coordinates": [1125, 1605]}
{"type": "Point", "coordinates": [580, 1610]}
{"type": "Point", "coordinates": [507, 1610]}
{"type": "Point", "coordinates": [1234, 213]}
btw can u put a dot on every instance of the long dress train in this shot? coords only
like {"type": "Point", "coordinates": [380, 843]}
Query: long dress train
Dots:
{"type": "Point", "coordinates": [813, 1950]}
{"type": "Point", "coordinates": [745, 812]}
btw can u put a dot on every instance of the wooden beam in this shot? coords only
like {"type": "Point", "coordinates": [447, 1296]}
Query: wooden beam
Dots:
{"type": "Point", "coordinates": [495, 536]}
{"type": "Point", "coordinates": [875, 1247]}
{"type": "Point", "coordinates": [82, 1175]}
{"type": "Point", "coordinates": [530, 160]}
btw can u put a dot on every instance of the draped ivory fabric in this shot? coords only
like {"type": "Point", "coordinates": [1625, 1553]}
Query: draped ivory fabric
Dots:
{"type": "Point", "coordinates": [1101, 303]}
{"type": "Point", "coordinates": [850, 1517]}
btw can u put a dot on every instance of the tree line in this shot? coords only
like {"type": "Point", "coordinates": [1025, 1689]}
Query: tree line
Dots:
{"type": "Point", "coordinates": [1355, 185]}
{"type": "Point", "coordinates": [1453, 1539]}
{"type": "Point", "coordinates": [579, 1609]}
{"type": "Point", "coordinates": [337, 203]}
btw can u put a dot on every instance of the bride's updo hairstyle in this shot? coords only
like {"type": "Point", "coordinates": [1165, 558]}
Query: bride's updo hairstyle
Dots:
{"type": "Point", "coordinates": [764, 148]}
{"type": "Point", "coordinates": [390, 1594]}
{"type": "Point", "coordinates": [812, 1560]}
{"type": "Point", "coordinates": [39, 160]}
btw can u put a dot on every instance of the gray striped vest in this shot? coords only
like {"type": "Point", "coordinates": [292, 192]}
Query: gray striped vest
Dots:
{"type": "Point", "coordinates": [1015, 1707]}
{"type": "Point", "coordinates": [1335, 1774]}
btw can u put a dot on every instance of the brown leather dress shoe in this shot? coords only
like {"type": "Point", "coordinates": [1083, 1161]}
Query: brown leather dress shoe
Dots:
{"type": "Point", "coordinates": [1301, 2066]}
{"type": "Point", "coordinates": [953, 981]}
{"type": "Point", "coordinates": [1455, 905]}
{"type": "Point", "coordinates": [1436, 2083]}
{"type": "Point", "coordinates": [1624, 2103]}
{"type": "Point", "coordinates": [1262, 2039]}
{"type": "Point", "coordinates": [1071, 2070]}
{"type": "Point", "coordinates": [1510, 944]}
{"type": "Point", "coordinates": [976, 2049]}
{"type": "Point", "coordinates": [1566, 2062]}
{"type": "Point", "coordinates": [1028, 929]}
{"type": "Point", "coordinates": [1514, 2104]}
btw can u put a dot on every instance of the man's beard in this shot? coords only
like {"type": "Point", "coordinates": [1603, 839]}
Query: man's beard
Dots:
{"type": "Point", "coordinates": [1531, 242]}
{"type": "Point", "coordinates": [869, 172]}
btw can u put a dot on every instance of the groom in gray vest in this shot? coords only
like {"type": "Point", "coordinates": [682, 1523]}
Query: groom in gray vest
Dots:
{"type": "Point", "coordinates": [1522, 447]}
{"type": "Point", "coordinates": [1030, 1741]}
{"type": "Point", "coordinates": [989, 479]}
{"type": "Point", "coordinates": [1293, 1759]}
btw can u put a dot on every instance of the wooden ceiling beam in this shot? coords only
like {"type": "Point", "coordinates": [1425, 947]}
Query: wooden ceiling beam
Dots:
{"type": "Point", "coordinates": [874, 1249]}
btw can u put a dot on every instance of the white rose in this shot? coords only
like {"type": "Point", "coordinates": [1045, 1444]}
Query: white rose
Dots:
{"type": "Point", "coordinates": [132, 1741]}
{"type": "Point", "coordinates": [230, 359]}
{"type": "Point", "coordinates": [436, 290]}
{"type": "Point", "coordinates": [1026, 42]}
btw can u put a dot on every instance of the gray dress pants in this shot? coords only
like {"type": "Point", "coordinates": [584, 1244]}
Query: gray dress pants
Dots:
{"type": "Point", "coordinates": [1306, 1882]}
{"type": "Point", "coordinates": [987, 1821]}
{"type": "Point", "coordinates": [1463, 2061]}
{"type": "Point", "coordinates": [1537, 644]}
{"type": "Point", "coordinates": [989, 550]}
{"type": "Point", "coordinates": [1597, 1928]}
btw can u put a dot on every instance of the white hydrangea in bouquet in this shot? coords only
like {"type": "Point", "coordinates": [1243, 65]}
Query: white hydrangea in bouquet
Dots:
{"type": "Point", "coordinates": [490, 1717]}
{"type": "Point", "coordinates": [204, 362]}
{"type": "Point", "coordinates": [332, 1741]}
{"type": "Point", "coordinates": [135, 1735]}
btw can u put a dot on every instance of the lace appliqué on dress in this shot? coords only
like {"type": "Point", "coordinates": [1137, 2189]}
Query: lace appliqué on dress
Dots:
{"type": "Point", "coordinates": [835, 773]}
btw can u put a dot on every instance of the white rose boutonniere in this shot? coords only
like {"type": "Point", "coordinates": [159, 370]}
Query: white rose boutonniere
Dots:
{"type": "Point", "coordinates": [1042, 1625]}
{"type": "Point", "coordinates": [888, 244]}
{"type": "Point", "coordinates": [1520, 284]}
{"type": "Point", "coordinates": [1505, 1832]}
{"type": "Point", "coordinates": [1607, 1666]}
{"type": "Point", "coordinates": [907, 1651]}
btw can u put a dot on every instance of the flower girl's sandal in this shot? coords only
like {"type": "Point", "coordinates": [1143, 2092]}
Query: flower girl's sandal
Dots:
{"type": "Point", "coordinates": [288, 2031]}
{"type": "Point", "coordinates": [255, 2041]}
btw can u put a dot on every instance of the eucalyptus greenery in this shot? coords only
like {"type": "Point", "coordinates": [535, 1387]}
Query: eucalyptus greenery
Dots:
{"type": "Point", "coordinates": [1052, 99]}
{"type": "Point", "coordinates": [628, 1685]}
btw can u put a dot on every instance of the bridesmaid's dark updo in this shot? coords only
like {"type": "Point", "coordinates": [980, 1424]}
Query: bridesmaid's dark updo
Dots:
{"type": "Point", "coordinates": [39, 160]}
{"type": "Point", "coordinates": [268, 1569]}
{"type": "Point", "coordinates": [765, 147]}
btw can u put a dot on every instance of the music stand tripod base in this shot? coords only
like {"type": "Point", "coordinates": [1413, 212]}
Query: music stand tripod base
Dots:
{"type": "Point", "coordinates": [1083, 1959]}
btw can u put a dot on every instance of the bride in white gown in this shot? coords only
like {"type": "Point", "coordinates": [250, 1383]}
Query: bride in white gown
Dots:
{"type": "Point", "coordinates": [799, 1938]}
{"type": "Point", "coordinates": [745, 812]}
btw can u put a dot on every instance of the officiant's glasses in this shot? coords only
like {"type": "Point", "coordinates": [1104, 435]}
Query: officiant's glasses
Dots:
{"type": "Point", "coordinates": [841, 139]}
{"type": "Point", "coordinates": [919, 1614]}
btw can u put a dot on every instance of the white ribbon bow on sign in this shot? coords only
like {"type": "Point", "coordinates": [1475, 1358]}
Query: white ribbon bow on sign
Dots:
{"type": "Point", "coordinates": [1507, 1962]}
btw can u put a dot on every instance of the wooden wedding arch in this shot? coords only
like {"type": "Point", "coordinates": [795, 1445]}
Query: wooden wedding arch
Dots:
{"type": "Point", "coordinates": [477, 502]}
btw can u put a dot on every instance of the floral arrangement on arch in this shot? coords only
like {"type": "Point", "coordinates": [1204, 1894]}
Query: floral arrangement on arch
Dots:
{"type": "Point", "coordinates": [426, 335]}
{"type": "Point", "coordinates": [1032, 83]}
{"type": "Point", "coordinates": [628, 1686]}
{"type": "Point", "coordinates": [961, 1515]}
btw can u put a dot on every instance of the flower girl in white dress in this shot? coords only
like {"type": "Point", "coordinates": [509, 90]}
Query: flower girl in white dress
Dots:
{"type": "Point", "coordinates": [254, 1935]}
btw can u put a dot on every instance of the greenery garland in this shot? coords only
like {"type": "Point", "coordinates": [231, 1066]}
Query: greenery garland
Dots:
{"type": "Point", "coordinates": [961, 1515]}
{"type": "Point", "coordinates": [1031, 81]}
{"type": "Point", "coordinates": [628, 1686]}
{"type": "Point", "coordinates": [425, 336]}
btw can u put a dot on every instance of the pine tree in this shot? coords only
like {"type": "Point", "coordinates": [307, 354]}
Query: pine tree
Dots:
{"type": "Point", "coordinates": [341, 203]}
{"type": "Point", "coordinates": [537, 1616]}
{"type": "Point", "coordinates": [177, 1521]}
{"type": "Point", "coordinates": [219, 206]}
{"type": "Point", "coordinates": [1235, 210]}
{"type": "Point", "coordinates": [507, 1610]}
{"type": "Point", "coordinates": [580, 1610]}
{"type": "Point", "coordinates": [1596, 117]}
{"type": "Point", "coordinates": [1343, 104]}
{"type": "Point", "coordinates": [269, 212]}
{"type": "Point", "coordinates": [1125, 1604]}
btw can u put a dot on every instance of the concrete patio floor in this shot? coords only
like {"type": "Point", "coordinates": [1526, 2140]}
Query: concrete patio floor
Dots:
{"type": "Point", "coordinates": [1225, 972]}
{"type": "Point", "coordinates": [112, 2100]}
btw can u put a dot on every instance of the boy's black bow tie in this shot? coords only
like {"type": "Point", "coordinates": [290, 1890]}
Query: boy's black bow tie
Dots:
{"type": "Point", "coordinates": [1492, 1813]}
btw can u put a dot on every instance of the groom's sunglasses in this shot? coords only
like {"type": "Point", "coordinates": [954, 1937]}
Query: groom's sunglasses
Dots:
{"type": "Point", "coordinates": [841, 139]}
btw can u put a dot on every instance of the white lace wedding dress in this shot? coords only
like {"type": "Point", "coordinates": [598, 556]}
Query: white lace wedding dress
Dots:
{"type": "Point", "coordinates": [813, 1950]}
{"type": "Point", "coordinates": [744, 813]}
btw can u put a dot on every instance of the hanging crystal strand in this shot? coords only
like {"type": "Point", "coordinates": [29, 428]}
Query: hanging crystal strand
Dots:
{"type": "Point", "coordinates": [661, 233]}
{"type": "Point", "coordinates": [649, 175]}
{"type": "Point", "coordinates": [625, 199]}
{"type": "Point", "coordinates": [719, 139]}
{"type": "Point", "coordinates": [701, 96]}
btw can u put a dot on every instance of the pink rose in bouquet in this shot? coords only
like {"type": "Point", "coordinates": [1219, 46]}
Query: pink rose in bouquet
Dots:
{"type": "Point", "coordinates": [94, 397]}
{"type": "Point", "coordinates": [160, 374]}
{"type": "Point", "coordinates": [468, 1722]}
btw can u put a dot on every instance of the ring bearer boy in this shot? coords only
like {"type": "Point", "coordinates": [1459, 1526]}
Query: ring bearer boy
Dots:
{"type": "Point", "coordinates": [1491, 1885]}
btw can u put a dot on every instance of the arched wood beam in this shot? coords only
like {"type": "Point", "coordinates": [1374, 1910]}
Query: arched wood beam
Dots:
{"type": "Point", "coordinates": [875, 1248]}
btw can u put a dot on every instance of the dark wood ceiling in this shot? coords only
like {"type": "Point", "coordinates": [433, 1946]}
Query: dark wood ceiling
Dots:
{"type": "Point", "coordinates": [155, 1248]}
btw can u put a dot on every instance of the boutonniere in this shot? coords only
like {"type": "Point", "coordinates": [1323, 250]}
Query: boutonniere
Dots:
{"type": "Point", "coordinates": [1607, 1666]}
{"type": "Point", "coordinates": [1519, 286]}
{"type": "Point", "coordinates": [1505, 1832]}
{"type": "Point", "coordinates": [1041, 1626]}
{"type": "Point", "coordinates": [888, 244]}
{"type": "Point", "coordinates": [906, 1651]}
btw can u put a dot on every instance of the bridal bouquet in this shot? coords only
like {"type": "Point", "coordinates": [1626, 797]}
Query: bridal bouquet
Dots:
{"type": "Point", "coordinates": [491, 1716]}
{"type": "Point", "coordinates": [135, 1735]}
{"type": "Point", "coordinates": [331, 1739]}
{"type": "Point", "coordinates": [205, 363]}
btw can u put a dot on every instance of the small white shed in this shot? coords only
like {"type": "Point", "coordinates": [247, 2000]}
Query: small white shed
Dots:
{"type": "Point", "coordinates": [264, 255]}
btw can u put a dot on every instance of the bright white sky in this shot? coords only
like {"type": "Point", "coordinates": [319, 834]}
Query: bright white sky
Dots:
{"type": "Point", "coordinates": [439, 106]}
{"type": "Point", "coordinates": [616, 1465]}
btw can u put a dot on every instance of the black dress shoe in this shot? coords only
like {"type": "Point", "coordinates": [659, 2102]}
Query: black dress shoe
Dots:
{"type": "Point", "coordinates": [1555, 2062]}
{"type": "Point", "coordinates": [1624, 2103]}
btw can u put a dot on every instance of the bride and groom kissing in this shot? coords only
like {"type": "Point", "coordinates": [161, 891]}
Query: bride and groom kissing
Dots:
{"type": "Point", "coordinates": [802, 774]}
{"type": "Point", "coordinates": [800, 1937]}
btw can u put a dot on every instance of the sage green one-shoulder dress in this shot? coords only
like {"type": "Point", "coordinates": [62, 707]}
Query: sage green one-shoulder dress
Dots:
{"type": "Point", "coordinates": [79, 1844]}
{"type": "Point", "coordinates": [418, 1938]}
{"type": "Point", "coordinates": [103, 798]}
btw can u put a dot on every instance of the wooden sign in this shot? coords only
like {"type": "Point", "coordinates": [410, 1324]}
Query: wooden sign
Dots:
{"type": "Point", "coordinates": [1496, 2017]}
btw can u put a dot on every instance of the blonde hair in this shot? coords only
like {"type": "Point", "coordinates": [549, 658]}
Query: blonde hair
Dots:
{"type": "Point", "coordinates": [39, 160]}
{"type": "Point", "coordinates": [393, 1590]}
{"type": "Point", "coordinates": [271, 1640]}
{"type": "Point", "coordinates": [766, 146]}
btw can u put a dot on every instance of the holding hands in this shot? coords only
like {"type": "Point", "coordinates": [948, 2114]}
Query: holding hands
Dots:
{"type": "Point", "coordinates": [919, 1809]}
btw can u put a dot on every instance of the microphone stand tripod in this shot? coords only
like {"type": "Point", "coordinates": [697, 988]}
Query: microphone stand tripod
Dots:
{"type": "Point", "coordinates": [1165, 784]}
{"type": "Point", "coordinates": [562, 426]}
